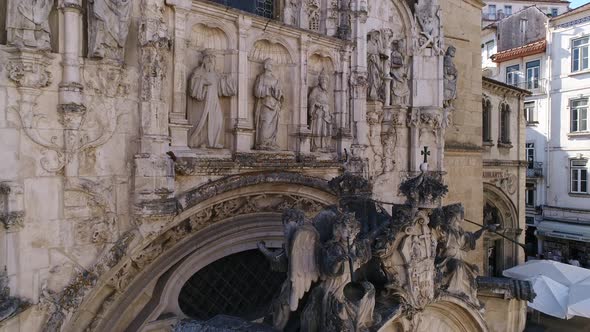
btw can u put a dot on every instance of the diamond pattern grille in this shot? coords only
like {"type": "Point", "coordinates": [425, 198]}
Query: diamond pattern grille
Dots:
{"type": "Point", "coordinates": [240, 285]}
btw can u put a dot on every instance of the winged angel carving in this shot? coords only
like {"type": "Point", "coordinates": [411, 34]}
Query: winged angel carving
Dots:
{"type": "Point", "coordinates": [321, 253]}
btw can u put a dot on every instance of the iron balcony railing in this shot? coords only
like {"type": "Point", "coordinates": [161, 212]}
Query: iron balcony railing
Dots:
{"type": "Point", "coordinates": [535, 86]}
{"type": "Point", "coordinates": [534, 169]}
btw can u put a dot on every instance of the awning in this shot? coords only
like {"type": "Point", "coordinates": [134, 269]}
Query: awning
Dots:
{"type": "Point", "coordinates": [563, 230]}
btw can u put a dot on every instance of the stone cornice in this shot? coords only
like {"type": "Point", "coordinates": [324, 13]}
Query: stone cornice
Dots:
{"type": "Point", "coordinates": [490, 84]}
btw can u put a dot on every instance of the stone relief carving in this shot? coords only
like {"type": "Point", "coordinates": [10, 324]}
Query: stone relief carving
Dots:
{"type": "Point", "coordinates": [328, 249]}
{"type": "Point", "coordinates": [11, 206]}
{"type": "Point", "coordinates": [313, 13]}
{"type": "Point", "coordinates": [450, 76]}
{"type": "Point", "coordinates": [427, 14]}
{"type": "Point", "coordinates": [291, 12]}
{"type": "Point", "coordinates": [321, 115]}
{"type": "Point", "coordinates": [9, 305]}
{"type": "Point", "coordinates": [106, 79]}
{"type": "Point", "coordinates": [269, 99]}
{"type": "Point", "coordinates": [399, 71]}
{"type": "Point", "coordinates": [378, 62]}
{"type": "Point", "coordinates": [27, 24]}
{"type": "Point", "coordinates": [206, 87]}
{"type": "Point", "coordinates": [108, 26]}
{"type": "Point", "coordinates": [459, 277]}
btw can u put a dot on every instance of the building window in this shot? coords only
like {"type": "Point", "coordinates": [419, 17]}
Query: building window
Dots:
{"type": "Point", "coordinates": [532, 74]}
{"type": "Point", "coordinates": [489, 48]}
{"type": "Point", "coordinates": [554, 12]}
{"type": "Point", "coordinates": [512, 74]}
{"type": "Point", "coordinates": [530, 220]}
{"type": "Point", "coordinates": [505, 124]}
{"type": "Point", "coordinates": [580, 54]}
{"type": "Point", "coordinates": [263, 8]}
{"type": "Point", "coordinates": [579, 176]}
{"type": "Point", "coordinates": [508, 10]}
{"type": "Point", "coordinates": [486, 120]}
{"type": "Point", "coordinates": [530, 113]}
{"type": "Point", "coordinates": [530, 153]}
{"type": "Point", "coordinates": [529, 197]}
{"type": "Point", "coordinates": [492, 12]}
{"type": "Point", "coordinates": [579, 113]}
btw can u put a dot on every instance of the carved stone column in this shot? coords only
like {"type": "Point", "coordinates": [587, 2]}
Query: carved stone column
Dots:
{"type": "Point", "coordinates": [243, 130]}
{"type": "Point", "coordinates": [154, 174]}
{"type": "Point", "coordinates": [302, 129]}
{"type": "Point", "coordinates": [179, 125]}
{"type": "Point", "coordinates": [71, 107]}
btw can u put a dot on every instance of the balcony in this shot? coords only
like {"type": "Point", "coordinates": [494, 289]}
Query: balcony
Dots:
{"type": "Point", "coordinates": [534, 86]}
{"type": "Point", "coordinates": [534, 169]}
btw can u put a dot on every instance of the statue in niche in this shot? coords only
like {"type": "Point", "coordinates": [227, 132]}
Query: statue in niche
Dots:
{"type": "Point", "coordinates": [450, 77]}
{"type": "Point", "coordinates": [269, 98]}
{"type": "Point", "coordinates": [27, 23]}
{"type": "Point", "coordinates": [321, 115]}
{"type": "Point", "coordinates": [459, 277]}
{"type": "Point", "coordinates": [108, 26]}
{"type": "Point", "coordinates": [400, 89]}
{"type": "Point", "coordinates": [374, 77]}
{"type": "Point", "coordinates": [206, 86]}
{"type": "Point", "coordinates": [291, 12]}
{"type": "Point", "coordinates": [325, 249]}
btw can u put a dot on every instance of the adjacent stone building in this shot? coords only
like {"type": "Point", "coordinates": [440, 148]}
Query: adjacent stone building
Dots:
{"type": "Point", "coordinates": [148, 147]}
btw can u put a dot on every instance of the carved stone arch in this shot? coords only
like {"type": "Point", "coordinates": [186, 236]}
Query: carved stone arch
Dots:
{"type": "Point", "coordinates": [211, 34]}
{"type": "Point", "coordinates": [276, 48]}
{"type": "Point", "coordinates": [505, 253]}
{"type": "Point", "coordinates": [247, 206]}
{"type": "Point", "coordinates": [406, 16]}
{"type": "Point", "coordinates": [324, 52]}
{"type": "Point", "coordinates": [448, 314]}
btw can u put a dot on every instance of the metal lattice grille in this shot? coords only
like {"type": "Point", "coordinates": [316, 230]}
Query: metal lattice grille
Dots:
{"type": "Point", "coordinates": [263, 8]}
{"type": "Point", "coordinates": [239, 285]}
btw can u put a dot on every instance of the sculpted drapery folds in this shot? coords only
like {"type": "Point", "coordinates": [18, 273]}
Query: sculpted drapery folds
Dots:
{"type": "Point", "coordinates": [400, 89]}
{"type": "Point", "coordinates": [206, 86]}
{"type": "Point", "coordinates": [321, 115]}
{"type": "Point", "coordinates": [108, 26]}
{"type": "Point", "coordinates": [450, 77]}
{"type": "Point", "coordinates": [459, 277]}
{"type": "Point", "coordinates": [27, 23]}
{"type": "Point", "coordinates": [320, 250]}
{"type": "Point", "coordinates": [269, 98]}
{"type": "Point", "coordinates": [374, 76]}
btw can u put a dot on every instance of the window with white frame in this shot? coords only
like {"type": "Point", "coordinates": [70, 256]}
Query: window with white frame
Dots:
{"type": "Point", "coordinates": [554, 12]}
{"type": "Point", "coordinates": [530, 112]}
{"type": "Point", "coordinates": [530, 153]}
{"type": "Point", "coordinates": [492, 12]}
{"type": "Point", "coordinates": [507, 10]}
{"type": "Point", "coordinates": [580, 54]}
{"type": "Point", "coordinates": [579, 176]}
{"type": "Point", "coordinates": [489, 48]}
{"type": "Point", "coordinates": [533, 69]}
{"type": "Point", "coordinates": [579, 115]}
{"type": "Point", "coordinates": [512, 74]}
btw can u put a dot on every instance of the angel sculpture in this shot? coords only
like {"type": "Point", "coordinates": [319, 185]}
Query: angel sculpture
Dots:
{"type": "Point", "coordinates": [325, 251]}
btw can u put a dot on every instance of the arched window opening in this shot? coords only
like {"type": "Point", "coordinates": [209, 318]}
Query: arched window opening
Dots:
{"type": "Point", "coordinates": [486, 120]}
{"type": "Point", "coordinates": [505, 124]}
{"type": "Point", "coordinates": [264, 8]}
{"type": "Point", "coordinates": [240, 285]}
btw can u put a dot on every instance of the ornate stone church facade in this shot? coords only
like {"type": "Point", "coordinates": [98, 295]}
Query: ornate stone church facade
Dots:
{"type": "Point", "coordinates": [143, 142]}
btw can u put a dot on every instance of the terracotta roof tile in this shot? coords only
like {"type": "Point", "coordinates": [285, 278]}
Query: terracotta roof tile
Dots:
{"type": "Point", "coordinates": [521, 51]}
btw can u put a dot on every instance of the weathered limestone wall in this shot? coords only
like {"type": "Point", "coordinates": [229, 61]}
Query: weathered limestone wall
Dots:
{"type": "Point", "coordinates": [463, 161]}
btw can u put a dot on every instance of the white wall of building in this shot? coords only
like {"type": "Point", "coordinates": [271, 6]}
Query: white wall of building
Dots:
{"type": "Point", "coordinates": [505, 7]}
{"type": "Point", "coordinates": [565, 144]}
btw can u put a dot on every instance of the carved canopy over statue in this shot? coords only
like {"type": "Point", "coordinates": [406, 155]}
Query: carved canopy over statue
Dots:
{"type": "Point", "coordinates": [108, 26]}
{"type": "Point", "coordinates": [27, 23]}
{"type": "Point", "coordinates": [354, 255]}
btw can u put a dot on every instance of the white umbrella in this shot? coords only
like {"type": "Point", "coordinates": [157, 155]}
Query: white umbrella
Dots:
{"type": "Point", "coordinates": [552, 297]}
{"type": "Point", "coordinates": [562, 290]}
{"type": "Point", "coordinates": [579, 299]}
{"type": "Point", "coordinates": [562, 273]}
